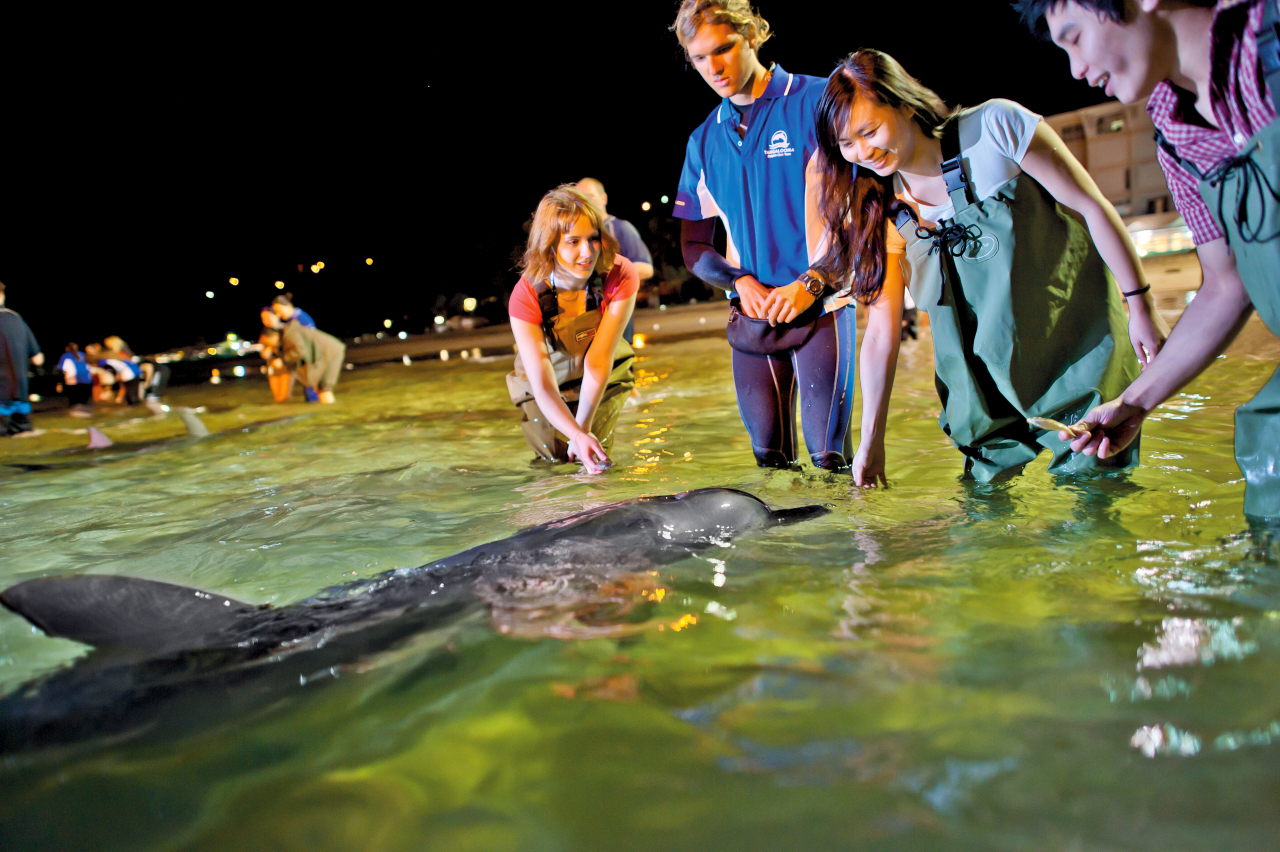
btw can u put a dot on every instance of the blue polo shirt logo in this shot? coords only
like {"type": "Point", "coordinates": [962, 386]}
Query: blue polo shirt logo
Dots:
{"type": "Point", "coordinates": [779, 145]}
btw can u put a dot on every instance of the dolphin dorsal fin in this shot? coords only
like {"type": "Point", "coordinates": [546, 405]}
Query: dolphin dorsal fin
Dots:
{"type": "Point", "coordinates": [97, 440]}
{"type": "Point", "coordinates": [195, 428]}
{"type": "Point", "coordinates": [124, 613]}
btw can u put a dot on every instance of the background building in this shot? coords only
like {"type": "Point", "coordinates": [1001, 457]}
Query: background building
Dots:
{"type": "Point", "coordinates": [1116, 144]}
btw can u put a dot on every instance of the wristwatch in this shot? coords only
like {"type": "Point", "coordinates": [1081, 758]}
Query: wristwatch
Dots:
{"type": "Point", "coordinates": [812, 283]}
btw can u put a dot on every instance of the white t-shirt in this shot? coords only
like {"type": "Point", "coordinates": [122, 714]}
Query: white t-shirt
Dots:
{"type": "Point", "coordinates": [994, 137]}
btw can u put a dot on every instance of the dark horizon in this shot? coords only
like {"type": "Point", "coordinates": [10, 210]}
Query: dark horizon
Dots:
{"type": "Point", "coordinates": [144, 174]}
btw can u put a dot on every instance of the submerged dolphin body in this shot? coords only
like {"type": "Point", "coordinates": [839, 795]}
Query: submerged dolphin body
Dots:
{"type": "Point", "coordinates": [156, 642]}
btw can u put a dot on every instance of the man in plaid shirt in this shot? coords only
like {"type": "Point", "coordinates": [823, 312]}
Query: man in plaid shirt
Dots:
{"type": "Point", "coordinates": [1203, 67]}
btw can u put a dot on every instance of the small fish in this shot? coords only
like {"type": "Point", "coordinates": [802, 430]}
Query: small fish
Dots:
{"type": "Point", "coordinates": [1051, 425]}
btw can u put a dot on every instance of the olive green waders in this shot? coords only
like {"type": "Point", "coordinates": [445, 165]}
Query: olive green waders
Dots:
{"type": "Point", "coordinates": [568, 339]}
{"type": "Point", "coordinates": [1026, 322]}
{"type": "Point", "coordinates": [1243, 193]}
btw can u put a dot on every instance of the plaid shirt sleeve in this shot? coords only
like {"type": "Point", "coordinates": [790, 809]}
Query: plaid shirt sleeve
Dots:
{"type": "Point", "coordinates": [1185, 188]}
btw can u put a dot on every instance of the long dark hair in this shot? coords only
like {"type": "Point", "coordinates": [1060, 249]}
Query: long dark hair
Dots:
{"type": "Point", "coordinates": [856, 201]}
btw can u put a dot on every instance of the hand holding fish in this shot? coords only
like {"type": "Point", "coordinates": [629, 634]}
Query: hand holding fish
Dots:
{"type": "Point", "coordinates": [1104, 431]}
{"type": "Point", "coordinates": [1065, 432]}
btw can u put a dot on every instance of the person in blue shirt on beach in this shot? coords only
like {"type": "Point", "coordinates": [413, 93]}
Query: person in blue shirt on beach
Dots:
{"type": "Point", "coordinates": [630, 245]}
{"type": "Point", "coordinates": [77, 381]}
{"type": "Point", "coordinates": [751, 165]}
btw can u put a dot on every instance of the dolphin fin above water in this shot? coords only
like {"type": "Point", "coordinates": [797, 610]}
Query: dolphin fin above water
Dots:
{"type": "Point", "coordinates": [195, 428]}
{"type": "Point", "coordinates": [97, 440]}
{"type": "Point", "coordinates": [156, 641]}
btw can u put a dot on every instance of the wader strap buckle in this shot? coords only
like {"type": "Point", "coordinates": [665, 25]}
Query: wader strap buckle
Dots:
{"type": "Point", "coordinates": [595, 293]}
{"type": "Point", "coordinates": [953, 171]}
{"type": "Point", "coordinates": [903, 216]}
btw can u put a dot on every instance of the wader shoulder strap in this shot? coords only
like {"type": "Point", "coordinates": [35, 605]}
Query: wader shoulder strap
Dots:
{"type": "Point", "coordinates": [1268, 36]}
{"type": "Point", "coordinates": [953, 171]}
{"type": "Point", "coordinates": [550, 307]}
{"type": "Point", "coordinates": [1173, 152]}
{"type": "Point", "coordinates": [549, 302]}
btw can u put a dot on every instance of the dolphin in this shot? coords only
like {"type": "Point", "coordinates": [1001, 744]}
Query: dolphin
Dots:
{"type": "Point", "coordinates": [155, 644]}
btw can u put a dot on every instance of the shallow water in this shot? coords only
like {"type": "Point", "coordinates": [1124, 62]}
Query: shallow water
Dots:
{"type": "Point", "coordinates": [1031, 665]}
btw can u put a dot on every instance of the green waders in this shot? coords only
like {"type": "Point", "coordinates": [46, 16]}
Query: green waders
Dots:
{"type": "Point", "coordinates": [568, 340]}
{"type": "Point", "coordinates": [1244, 195]}
{"type": "Point", "coordinates": [1026, 322]}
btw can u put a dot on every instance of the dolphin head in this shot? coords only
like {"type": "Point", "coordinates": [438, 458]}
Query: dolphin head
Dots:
{"type": "Point", "coordinates": [712, 515]}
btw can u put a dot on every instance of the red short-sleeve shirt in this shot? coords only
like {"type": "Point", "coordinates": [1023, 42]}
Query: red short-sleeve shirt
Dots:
{"type": "Point", "coordinates": [622, 282]}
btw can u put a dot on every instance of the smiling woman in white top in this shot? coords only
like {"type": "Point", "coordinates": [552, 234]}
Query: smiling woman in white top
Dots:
{"type": "Point", "coordinates": [1004, 240]}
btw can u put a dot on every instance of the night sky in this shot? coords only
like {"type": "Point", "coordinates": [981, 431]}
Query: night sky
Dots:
{"type": "Point", "coordinates": [144, 170]}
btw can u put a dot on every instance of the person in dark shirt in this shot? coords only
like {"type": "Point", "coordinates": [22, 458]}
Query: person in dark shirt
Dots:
{"type": "Point", "coordinates": [18, 348]}
{"type": "Point", "coordinates": [630, 245]}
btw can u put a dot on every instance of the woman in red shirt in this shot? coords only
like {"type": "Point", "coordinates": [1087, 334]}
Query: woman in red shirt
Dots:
{"type": "Point", "coordinates": [573, 371]}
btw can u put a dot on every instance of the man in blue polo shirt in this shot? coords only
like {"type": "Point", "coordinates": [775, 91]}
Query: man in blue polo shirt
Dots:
{"type": "Point", "coordinates": [751, 165]}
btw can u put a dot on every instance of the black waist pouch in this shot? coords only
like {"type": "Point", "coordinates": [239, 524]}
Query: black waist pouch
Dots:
{"type": "Point", "coordinates": [757, 337]}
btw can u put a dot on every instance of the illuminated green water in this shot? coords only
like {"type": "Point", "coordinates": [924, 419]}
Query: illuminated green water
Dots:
{"type": "Point", "coordinates": [938, 666]}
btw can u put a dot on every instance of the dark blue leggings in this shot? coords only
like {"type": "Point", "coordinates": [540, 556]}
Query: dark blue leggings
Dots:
{"type": "Point", "coordinates": [824, 368]}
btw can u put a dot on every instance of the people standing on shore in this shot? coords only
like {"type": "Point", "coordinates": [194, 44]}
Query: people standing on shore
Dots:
{"type": "Point", "coordinates": [18, 351]}
{"type": "Point", "coordinates": [974, 208]}
{"type": "Point", "coordinates": [1208, 72]}
{"type": "Point", "coordinates": [751, 164]}
{"type": "Point", "coordinates": [630, 245]}
{"type": "Point", "coordinates": [574, 297]}
{"type": "Point", "coordinates": [77, 381]}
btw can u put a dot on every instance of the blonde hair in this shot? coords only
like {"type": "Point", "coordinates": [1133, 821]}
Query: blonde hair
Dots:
{"type": "Point", "coordinates": [695, 14]}
{"type": "Point", "coordinates": [557, 212]}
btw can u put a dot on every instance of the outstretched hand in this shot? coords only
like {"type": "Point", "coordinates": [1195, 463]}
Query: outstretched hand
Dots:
{"type": "Point", "coordinates": [587, 450]}
{"type": "Point", "coordinates": [868, 466]}
{"type": "Point", "coordinates": [1112, 427]}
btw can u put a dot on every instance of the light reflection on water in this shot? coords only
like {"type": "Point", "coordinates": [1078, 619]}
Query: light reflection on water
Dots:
{"type": "Point", "coordinates": [1025, 664]}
